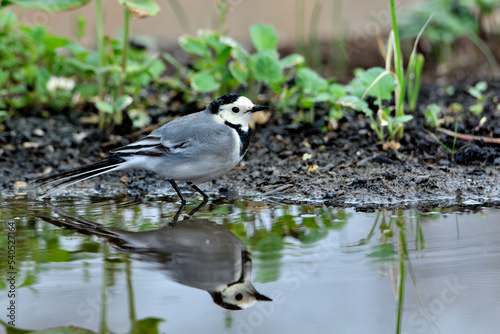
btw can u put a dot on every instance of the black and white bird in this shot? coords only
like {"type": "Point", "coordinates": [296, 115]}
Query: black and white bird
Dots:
{"type": "Point", "coordinates": [196, 148]}
{"type": "Point", "coordinates": [198, 253]}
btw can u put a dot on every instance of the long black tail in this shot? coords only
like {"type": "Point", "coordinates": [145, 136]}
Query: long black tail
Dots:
{"type": "Point", "coordinates": [72, 176]}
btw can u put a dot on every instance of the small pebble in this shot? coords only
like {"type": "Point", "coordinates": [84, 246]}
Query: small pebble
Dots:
{"type": "Point", "coordinates": [30, 144]}
{"type": "Point", "coordinates": [20, 184]}
{"type": "Point", "coordinates": [39, 132]}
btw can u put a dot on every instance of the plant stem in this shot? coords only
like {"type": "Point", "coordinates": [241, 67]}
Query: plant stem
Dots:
{"type": "Point", "coordinates": [102, 59]}
{"type": "Point", "coordinates": [180, 14]}
{"type": "Point", "coordinates": [338, 44]}
{"type": "Point", "coordinates": [126, 28]}
{"type": "Point", "coordinates": [103, 328]}
{"type": "Point", "coordinates": [403, 255]}
{"type": "Point", "coordinates": [398, 64]}
{"type": "Point", "coordinates": [130, 290]}
{"type": "Point", "coordinates": [299, 24]}
{"type": "Point", "coordinates": [313, 35]}
{"type": "Point", "coordinates": [100, 47]}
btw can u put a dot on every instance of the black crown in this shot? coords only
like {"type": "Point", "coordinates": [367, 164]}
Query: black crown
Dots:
{"type": "Point", "coordinates": [213, 107]}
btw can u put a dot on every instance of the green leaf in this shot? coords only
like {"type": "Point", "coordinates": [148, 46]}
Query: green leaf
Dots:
{"type": "Point", "coordinates": [105, 107]}
{"type": "Point", "coordinates": [87, 90]}
{"type": "Point", "coordinates": [239, 71]}
{"type": "Point", "coordinates": [81, 66]}
{"type": "Point", "coordinates": [4, 76]}
{"type": "Point", "coordinates": [204, 82]}
{"type": "Point", "coordinates": [356, 87]}
{"type": "Point", "coordinates": [49, 6]}
{"type": "Point", "coordinates": [212, 39]}
{"type": "Point", "coordinates": [322, 97]}
{"type": "Point", "coordinates": [194, 46]}
{"type": "Point", "coordinates": [81, 24]}
{"type": "Point", "coordinates": [141, 8]}
{"type": "Point", "coordinates": [149, 325]}
{"type": "Point", "coordinates": [310, 81]}
{"type": "Point", "coordinates": [355, 103]}
{"type": "Point", "coordinates": [383, 251]}
{"type": "Point", "coordinates": [29, 280]}
{"type": "Point", "coordinates": [122, 102]}
{"type": "Point", "coordinates": [42, 78]}
{"type": "Point", "coordinates": [4, 114]}
{"type": "Point", "coordinates": [156, 69]}
{"type": "Point", "coordinates": [478, 89]}
{"type": "Point", "coordinates": [54, 42]}
{"type": "Point", "coordinates": [139, 118]}
{"type": "Point", "coordinates": [292, 60]}
{"type": "Point", "coordinates": [264, 37]}
{"type": "Point", "coordinates": [136, 68]}
{"type": "Point", "coordinates": [477, 108]}
{"type": "Point", "coordinates": [265, 67]}
{"type": "Point", "coordinates": [63, 330]}
{"type": "Point", "coordinates": [223, 56]}
{"type": "Point", "coordinates": [337, 91]}
{"type": "Point", "coordinates": [169, 58]}
{"type": "Point", "coordinates": [378, 82]}
{"type": "Point", "coordinates": [402, 119]}
{"type": "Point", "coordinates": [336, 113]}
{"type": "Point", "coordinates": [312, 236]}
{"type": "Point", "coordinates": [57, 255]}
{"type": "Point", "coordinates": [237, 50]}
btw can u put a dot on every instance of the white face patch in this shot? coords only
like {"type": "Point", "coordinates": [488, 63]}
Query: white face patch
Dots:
{"type": "Point", "coordinates": [237, 112]}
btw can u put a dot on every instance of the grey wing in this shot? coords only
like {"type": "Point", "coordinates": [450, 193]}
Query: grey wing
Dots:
{"type": "Point", "coordinates": [176, 137]}
{"type": "Point", "coordinates": [150, 145]}
{"type": "Point", "coordinates": [170, 136]}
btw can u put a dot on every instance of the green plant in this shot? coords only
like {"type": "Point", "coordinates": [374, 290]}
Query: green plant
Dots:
{"type": "Point", "coordinates": [118, 73]}
{"type": "Point", "coordinates": [477, 91]}
{"type": "Point", "coordinates": [311, 46]}
{"type": "Point", "coordinates": [382, 84]}
{"type": "Point", "coordinates": [36, 84]}
{"type": "Point", "coordinates": [452, 20]}
{"type": "Point", "coordinates": [223, 65]}
{"type": "Point", "coordinates": [432, 115]}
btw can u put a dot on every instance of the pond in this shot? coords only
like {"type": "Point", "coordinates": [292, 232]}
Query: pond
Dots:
{"type": "Point", "coordinates": [123, 265]}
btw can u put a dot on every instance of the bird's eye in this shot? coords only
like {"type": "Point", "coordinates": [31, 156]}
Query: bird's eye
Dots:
{"type": "Point", "coordinates": [236, 109]}
{"type": "Point", "coordinates": [238, 296]}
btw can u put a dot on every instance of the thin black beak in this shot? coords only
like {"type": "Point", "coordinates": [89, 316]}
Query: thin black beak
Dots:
{"type": "Point", "coordinates": [263, 298]}
{"type": "Point", "coordinates": [259, 108]}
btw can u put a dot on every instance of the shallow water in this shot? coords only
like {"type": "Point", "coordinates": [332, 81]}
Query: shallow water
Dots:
{"type": "Point", "coordinates": [327, 270]}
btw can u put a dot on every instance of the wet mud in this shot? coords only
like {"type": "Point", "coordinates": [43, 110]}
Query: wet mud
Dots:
{"type": "Point", "coordinates": [346, 167]}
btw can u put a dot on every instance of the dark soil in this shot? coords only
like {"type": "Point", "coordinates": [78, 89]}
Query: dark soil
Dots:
{"type": "Point", "coordinates": [353, 170]}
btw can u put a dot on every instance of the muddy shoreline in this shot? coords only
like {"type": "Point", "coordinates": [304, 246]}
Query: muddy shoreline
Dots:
{"type": "Point", "coordinates": [347, 166]}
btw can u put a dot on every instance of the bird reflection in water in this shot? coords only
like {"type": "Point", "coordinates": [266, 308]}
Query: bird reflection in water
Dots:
{"type": "Point", "coordinates": [194, 252]}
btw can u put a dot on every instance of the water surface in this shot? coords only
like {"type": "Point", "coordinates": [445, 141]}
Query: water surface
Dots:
{"type": "Point", "coordinates": [91, 263]}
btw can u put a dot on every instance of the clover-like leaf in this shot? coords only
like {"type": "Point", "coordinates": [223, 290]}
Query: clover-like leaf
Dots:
{"type": "Point", "coordinates": [310, 81]}
{"type": "Point", "coordinates": [265, 67]}
{"type": "Point", "coordinates": [141, 8]}
{"type": "Point", "coordinates": [264, 37]}
{"type": "Point", "coordinates": [193, 46]}
{"type": "Point", "coordinates": [378, 83]}
{"type": "Point", "coordinates": [204, 82]}
{"type": "Point", "coordinates": [49, 6]}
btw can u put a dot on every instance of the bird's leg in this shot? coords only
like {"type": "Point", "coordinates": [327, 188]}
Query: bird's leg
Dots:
{"type": "Point", "coordinates": [205, 196]}
{"type": "Point", "coordinates": [177, 214]}
{"type": "Point", "coordinates": [176, 188]}
{"type": "Point", "coordinates": [192, 212]}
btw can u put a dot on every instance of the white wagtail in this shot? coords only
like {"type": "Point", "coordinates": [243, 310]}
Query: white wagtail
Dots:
{"type": "Point", "coordinates": [196, 148]}
{"type": "Point", "coordinates": [198, 253]}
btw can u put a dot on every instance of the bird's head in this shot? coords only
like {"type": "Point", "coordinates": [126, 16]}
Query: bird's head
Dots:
{"type": "Point", "coordinates": [237, 296]}
{"type": "Point", "coordinates": [233, 108]}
